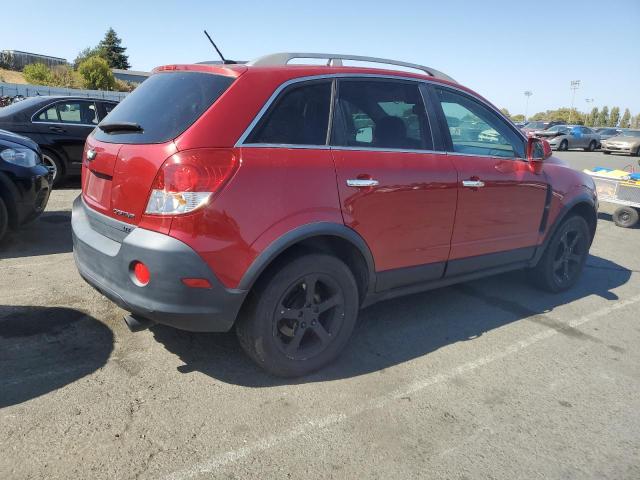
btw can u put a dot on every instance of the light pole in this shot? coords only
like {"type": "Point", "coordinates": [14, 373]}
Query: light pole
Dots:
{"type": "Point", "coordinates": [527, 94]}
{"type": "Point", "coordinates": [575, 84]}
{"type": "Point", "coordinates": [590, 101]}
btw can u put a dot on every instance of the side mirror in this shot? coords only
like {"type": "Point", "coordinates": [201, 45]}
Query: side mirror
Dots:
{"type": "Point", "coordinates": [538, 150]}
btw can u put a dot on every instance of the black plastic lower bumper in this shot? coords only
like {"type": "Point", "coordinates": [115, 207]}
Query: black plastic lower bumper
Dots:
{"type": "Point", "coordinates": [104, 249]}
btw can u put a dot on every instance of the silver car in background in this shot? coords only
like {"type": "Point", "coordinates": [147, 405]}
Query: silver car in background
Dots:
{"type": "Point", "coordinates": [565, 137]}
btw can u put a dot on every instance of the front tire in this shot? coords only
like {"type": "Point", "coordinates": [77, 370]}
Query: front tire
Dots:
{"type": "Point", "coordinates": [606, 152]}
{"type": "Point", "coordinates": [564, 146]}
{"type": "Point", "coordinates": [564, 258]}
{"type": "Point", "coordinates": [301, 316]}
{"type": "Point", "coordinates": [4, 219]}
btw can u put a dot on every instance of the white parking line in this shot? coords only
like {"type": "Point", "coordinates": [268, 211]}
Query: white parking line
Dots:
{"type": "Point", "coordinates": [309, 427]}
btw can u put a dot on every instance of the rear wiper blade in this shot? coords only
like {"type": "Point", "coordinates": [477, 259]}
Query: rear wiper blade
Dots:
{"type": "Point", "coordinates": [113, 127]}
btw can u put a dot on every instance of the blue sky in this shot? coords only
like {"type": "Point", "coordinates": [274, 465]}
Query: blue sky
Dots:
{"type": "Point", "coordinates": [498, 48]}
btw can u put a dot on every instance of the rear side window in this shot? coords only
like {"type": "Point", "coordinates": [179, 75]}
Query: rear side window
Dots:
{"type": "Point", "coordinates": [299, 116]}
{"type": "Point", "coordinates": [164, 106]}
{"type": "Point", "coordinates": [381, 114]}
{"type": "Point", "coordinates": [49, 115]}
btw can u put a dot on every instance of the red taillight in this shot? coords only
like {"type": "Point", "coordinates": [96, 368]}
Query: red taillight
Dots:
{"type": "Point", "coordinates": [196, 282]}
{"type": "Point", "coordinates": [187, 179]}
{"type": "Point", "coordinates": [141, 273]}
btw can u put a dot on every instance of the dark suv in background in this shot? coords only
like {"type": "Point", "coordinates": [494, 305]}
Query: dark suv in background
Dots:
{"type": "Point", "coordinates": [59, 125]}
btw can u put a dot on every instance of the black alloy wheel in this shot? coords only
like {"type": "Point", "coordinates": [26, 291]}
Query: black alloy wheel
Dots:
{"type": "Point", "coordinates": [308, 316]}
{"type": "Point", "coordinates": [300, 315]}
{"type": "Point", "coordinates": [569, 255]}
{"type": "Point", "coordinates": [563, 260]}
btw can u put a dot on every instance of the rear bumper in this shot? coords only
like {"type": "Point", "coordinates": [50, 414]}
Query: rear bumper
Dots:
{"type": "Point", "coordinates": [104, 249]}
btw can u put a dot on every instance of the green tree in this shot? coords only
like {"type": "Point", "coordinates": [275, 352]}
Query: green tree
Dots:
{"type": "Point", "coordinates": [96, 74]}
{"type": "Point", "coordinates": [86, 53]}
{"type": "Point", "coordinates": [505, 112]}
{"type": "Point", "coordinates": [112, 50]}
{"type": "Point", "coordinates": [518, 118]}
{"type": "Point", "coordinates": [635, 122]}
{"type": "Point", "coordinates": [614, 117]}
{"type": "Point", "coordinates": [592, 118]}
{"type": "Point", "coordinates": [625, 122]}
{"type": "Point", "coordinates": [37, 74]}
{"type": "Point", "coordinates": [65, 76]}
{"type": "Point", "coordinates": [603, 117]}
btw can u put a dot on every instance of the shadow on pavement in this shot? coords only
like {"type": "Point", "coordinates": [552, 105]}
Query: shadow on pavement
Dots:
{"type": "Point", "coordinates": [396, 331]}
{"type": "Point", "coordinates": [45, 348]}
{"type": "Point", "coordinates": [48, 234]}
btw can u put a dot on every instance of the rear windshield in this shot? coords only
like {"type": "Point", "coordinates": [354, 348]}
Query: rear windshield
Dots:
{"type": "Point", "coordinates": [164, 106]}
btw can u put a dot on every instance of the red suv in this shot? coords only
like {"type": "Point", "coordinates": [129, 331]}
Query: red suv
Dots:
{"type": "Point", "coordinates": [281, 199]}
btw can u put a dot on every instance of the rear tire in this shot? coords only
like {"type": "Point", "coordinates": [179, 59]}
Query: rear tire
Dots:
{"type": "Point", "coordinates": [564, 258]}
{"type": "Point", "coordinates": [55, 166]}
{"type": "Point", "coordinates": [638, 152]}
{"type": "Point", "coordinates": [301, 316]}
{"type": "Point", "coordinates": [592, 146]}
{"type": "Point", "coordinates": [564, 146]}
{"type": "Point", "coordinates": [625, 217]}
{"type": "Point", "coordinates": [4, 219]}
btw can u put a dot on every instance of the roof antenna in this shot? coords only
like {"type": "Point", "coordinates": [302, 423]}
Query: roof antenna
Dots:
{"type": "Point", "coordinates": [224, 60]}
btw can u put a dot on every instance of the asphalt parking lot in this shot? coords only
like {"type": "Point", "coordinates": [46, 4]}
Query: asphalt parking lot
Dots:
{"type": "Point", "coordinates": [488, 379]}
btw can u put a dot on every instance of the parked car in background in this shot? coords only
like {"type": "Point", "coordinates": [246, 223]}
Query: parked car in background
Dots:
{"type": "Point", "coordinates": [628, 141]}
{"type": "Point", "coordinates": [59, 125]}
{"type": "Point", "coordinates": [279, 200]}
{"type": "Point", "coordinates": [566, 137]}
{"type": "Point", "coordinates": [25, 182]}
{"type": "Point", "coordinates": [538, 125]}
{"type": "Point", "coordinates": [607, 132]}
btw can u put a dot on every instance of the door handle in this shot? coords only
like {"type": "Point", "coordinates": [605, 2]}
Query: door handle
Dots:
{"type": "Point", "coordinates": [473, 183]}
{"type": "Point", "coordinates": [362, 182]}
{"type": "Point", "coordinates": [57, 129]}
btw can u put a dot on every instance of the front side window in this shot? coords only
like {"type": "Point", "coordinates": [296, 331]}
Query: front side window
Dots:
{"type": "Point", "coordinates": [299, 116]}
{"type": "Point", "coordinates": [477, 130]}
{"type": "Point", "coordinates": [381, 114]}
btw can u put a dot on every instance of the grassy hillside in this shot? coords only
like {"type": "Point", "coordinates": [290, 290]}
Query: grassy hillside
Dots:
{"type": "Point", "coordinates": [10, 76]}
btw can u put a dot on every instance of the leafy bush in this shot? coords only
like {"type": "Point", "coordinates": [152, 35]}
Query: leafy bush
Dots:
{"type": "Point", "coordinates": [37, 74]}
{"type": "Point", "coordinates": [65, 76]}
{"type": "Point", "coordinates": [96, 75]}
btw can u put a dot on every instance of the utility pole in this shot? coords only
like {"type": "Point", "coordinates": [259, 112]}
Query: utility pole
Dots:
{"type": "Point", "coordinates": [575, 85]}
{"type": "Point", "coordinates": [589, 102]}
{"type": "Point", "coordinates": [527, 94]}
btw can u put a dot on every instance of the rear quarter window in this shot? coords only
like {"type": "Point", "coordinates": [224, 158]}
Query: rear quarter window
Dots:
{"type": "Point", "coordinates": [165, 105]}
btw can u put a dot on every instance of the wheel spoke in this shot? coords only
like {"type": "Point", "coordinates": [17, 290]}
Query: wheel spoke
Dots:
{"type": "Point", "coordinates": [311, 282]}
{"type": "Point", "coordinates": [321, 332]}
{"type": "Point", "coordinates": [565, 270]}
{"type": "Point", "coordinates": [557, 264]}
{"type": "Point", "coordinates": [329, 303]}
{"type": "Point", "coordinates": [574, 241]}
{"type": "Point", "coordinates": [574, 257]}
{"type": "Point", "coordinates": [294, 344]}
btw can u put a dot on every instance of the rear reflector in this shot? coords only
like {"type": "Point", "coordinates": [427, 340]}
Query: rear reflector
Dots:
{"type": "Point", "coordinates": [196, 282]}
{"type": "Point", "coordinates": [140, 273]}
{"type": "Point", "coordinates": [186, 180]}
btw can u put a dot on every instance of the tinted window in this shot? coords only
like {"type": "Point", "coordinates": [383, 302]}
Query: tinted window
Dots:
{"type": "Point", "coordinates": [49, 115]}
{"type": "Point", "coordinates": [109, 106]}
{"type": "Point", "coordinates": [165, 105]}
{"type": "Point", "coordinates": [477, 130]}
{"type": "Point", "coordinates": [299, 116]}
{"type": "Point", "coordinates": [77, 112]}
{"type": "Point", "coordinates": [381, 114]}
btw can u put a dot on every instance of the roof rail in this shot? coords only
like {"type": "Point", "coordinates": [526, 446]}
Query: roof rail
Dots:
{"type": "Point", "coordinates": [335, 59]}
